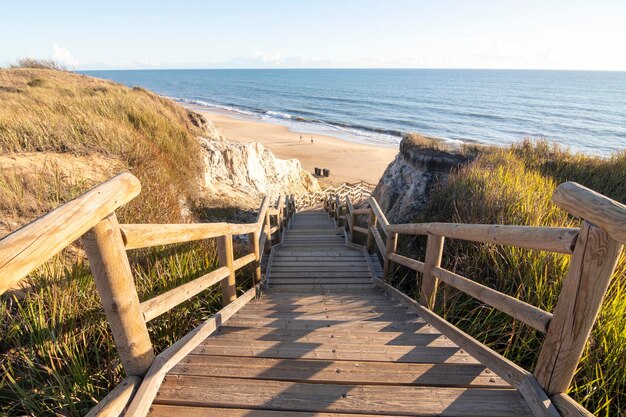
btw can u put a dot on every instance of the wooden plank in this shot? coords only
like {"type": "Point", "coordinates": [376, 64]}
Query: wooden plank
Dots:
{"type": "Point", "coordinates": [30, 246]}
{"type": "Point", "coordinates": [291, 280]}
{"type": "Point", "coordinates": [114, 404]}
{"type": "Point", "coordinates": [330, 351]}
{"type": "Point", "coordinates": [321, 274]}
{"type": "Point", "coordinates": [323, 288]}
{"type": "Point", "coordinates": [552, 239]}
{"type": "Point", "coordinates": [162, 410]}
{"type": "Point", "coordinates": [357, 325]}
{"type": "Point", "coordinates": [408, 262]}
{"type": "Point", "coordinates": [607, 214]}
{"type": "Point", "coordinates": [148, 235]}
{"type": "Point", "coordinates": [158, 305]}
{"type": "Point", "coordinates": [399, 315]}
{"type": "Point", "coordinates": [584, 287]}
{"type": "Point", "coordinates": [425, 337]}
{"type": "Point", "coordinates": [331, 264]}
{"type": "Point", "coordinates": [360, 229]}
{"type": "Point", "coordinates": [340, 372]}
{"type": "Point", "coordinates": [515, 308]}
{"type": "Point", "coordinates": [263, 309]}
{"type": "Point", "coordinates": [293, 396]}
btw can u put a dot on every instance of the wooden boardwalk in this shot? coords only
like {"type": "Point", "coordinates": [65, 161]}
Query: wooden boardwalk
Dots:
{"type": "Point", "coordinates": [324, 334]}
{"type": "Point", "coordinates": [323, 341]}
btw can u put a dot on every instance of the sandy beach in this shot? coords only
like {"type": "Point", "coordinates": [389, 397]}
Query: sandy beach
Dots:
{"type": "Point", "coordinates": [347, 161]}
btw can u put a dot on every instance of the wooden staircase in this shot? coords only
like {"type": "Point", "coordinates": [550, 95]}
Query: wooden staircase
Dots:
{"type": "Point", "coordinates": [325, 341]}
{"type": "Point", "coordinates": [322, 334]}
{"type": "Point", "coordinates": [313, 257]}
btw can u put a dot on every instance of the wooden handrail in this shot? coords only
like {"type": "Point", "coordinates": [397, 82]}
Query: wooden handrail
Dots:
{"type": "Point", "coordinates": [606, 213]}
{"type": "Point", "coordinates": [382, 219]}
{"type": "Point", "coordinates": [158, 305]}
{"type": "Point", "coordinates": [146, 235]}
{"type": "Point", "coordinates": [29, 247]}
{"type": "Point", "coordinates": [552, 239]}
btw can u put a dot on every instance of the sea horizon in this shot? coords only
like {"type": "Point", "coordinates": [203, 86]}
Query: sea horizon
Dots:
{"type": "Point", "coordinates": [582, 110]}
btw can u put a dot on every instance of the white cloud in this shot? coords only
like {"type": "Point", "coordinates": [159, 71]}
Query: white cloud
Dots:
{"type": "Point", "coordinates": [63, 55]}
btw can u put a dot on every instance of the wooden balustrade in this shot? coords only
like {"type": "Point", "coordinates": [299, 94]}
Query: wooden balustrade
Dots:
{"type": "Point", "coordinates": [595, 250]}
{"type": "Point", "coordinates": [91, 217]}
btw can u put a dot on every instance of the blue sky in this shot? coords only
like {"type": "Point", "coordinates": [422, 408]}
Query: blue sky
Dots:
{"type": "Point", "coordinates": [548, 34]}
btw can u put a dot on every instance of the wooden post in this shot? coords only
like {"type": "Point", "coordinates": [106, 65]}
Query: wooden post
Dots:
{"type": "Point", "coordinates": [337, 210]}
{"type": "Point", "coordinates": [390, 247]}
{"type": "Point", "coordinates": [434, 252]}
{"type": "Point", "coordinates": [352, 231]}
{"type": "Point", "coordinates": [225, 254]}
{"type": "Point", "coordinates": [587, 280]}
{"type": "Point", "coordinates": [268, 233]}
{"type": "Point", "coordinates": [114, 280]}
{"type": "Point", "coordinates": [253, 244]}
{"type": "Point", "coordinates": [371, 222]}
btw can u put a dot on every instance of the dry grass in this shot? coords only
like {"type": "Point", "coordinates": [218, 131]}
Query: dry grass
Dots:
{"type": "Point", "coordinates": [52, 111]}
{"type": "Point", "coordinates": [60, 134]}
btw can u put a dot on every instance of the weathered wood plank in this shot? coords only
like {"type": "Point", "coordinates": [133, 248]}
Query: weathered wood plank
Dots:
{"type": "Point", "coordinates": [340, 372]}
{"type": "Point", "coordinates": [517, 309]}
{"type": "Point", "coordinates": [427, 336]}
{"type": "Point", "coordinates": [290, 396]}
{"type": "Point", "coordinates": [337, 351]}
{"type": "Point", "coordinates": [161, 410]}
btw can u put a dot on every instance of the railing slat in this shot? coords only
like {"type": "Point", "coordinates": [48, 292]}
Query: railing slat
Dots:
{"type": "Point", "coordinates": [553, 239]}
{"type": "Point", "coordinates": [158, 305]}
{"type": "Point", "coordinates": [519, 310]}
{"type": "Point", "coordinates": [147, 235]}
{"type": "Point", "coordinates": [408, 262]}
{"type": "Point", "coordinates": [29, 247]}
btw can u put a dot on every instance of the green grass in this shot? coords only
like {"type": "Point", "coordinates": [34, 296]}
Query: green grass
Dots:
{"type": "Point", "coordinates": [514, 186]}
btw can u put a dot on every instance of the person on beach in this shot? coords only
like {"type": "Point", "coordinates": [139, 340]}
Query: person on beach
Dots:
{"type": "Point", "coordinates": [311, 140]}
{"type": "Point", "coordinates": [300, 138]}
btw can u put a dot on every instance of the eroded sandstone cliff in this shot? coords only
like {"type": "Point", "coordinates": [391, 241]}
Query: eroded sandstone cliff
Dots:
{"type": "Point", "coordinates": [242, 173]}
{"type": "Point", "coordinates": [404, 188]}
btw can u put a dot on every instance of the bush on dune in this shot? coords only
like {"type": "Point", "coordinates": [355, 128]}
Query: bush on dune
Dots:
{"type": "Point", "coordinates": [62, 112]}
{"type": "Point", "coordinates": [514, 186]}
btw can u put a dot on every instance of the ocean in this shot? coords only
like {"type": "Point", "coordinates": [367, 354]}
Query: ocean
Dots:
{"type": "Point", "coordinates": [583, 110]}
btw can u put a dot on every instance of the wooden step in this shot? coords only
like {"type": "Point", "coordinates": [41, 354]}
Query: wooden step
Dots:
{"type": "Point", "coordinates": [340, 372]}
{"type": "Point", "coordinates": [364, 399]}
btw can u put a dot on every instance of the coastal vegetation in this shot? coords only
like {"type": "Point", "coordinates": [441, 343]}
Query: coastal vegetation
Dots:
{"type": "Point", "coordinates": [60, 134]}
{"type": "Point", "coordinates": [513, 185]}
{"type": "Point", "coordinates": [57, 356]}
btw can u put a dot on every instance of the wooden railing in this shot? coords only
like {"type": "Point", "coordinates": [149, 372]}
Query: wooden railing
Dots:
{"type": "Point", "coordinates": [91, 217]}
{"type": "Point", "coordinates": [595, 248]}
{"type": "Point", "coordinates": [358, 192]}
